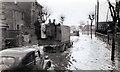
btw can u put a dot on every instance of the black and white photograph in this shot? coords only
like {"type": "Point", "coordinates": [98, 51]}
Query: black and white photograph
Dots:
{"type": "Point", "coordinates": [59, 35]}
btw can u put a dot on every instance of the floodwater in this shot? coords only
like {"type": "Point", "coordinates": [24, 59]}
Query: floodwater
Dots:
{"type": "Point", "coordinates": [86, 54]}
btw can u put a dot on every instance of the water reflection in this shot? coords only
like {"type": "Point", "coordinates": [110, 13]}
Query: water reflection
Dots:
{"type": "Point", "coordinates": [86, 54]}
{"type": "Point", "coordinates": [61, 61]}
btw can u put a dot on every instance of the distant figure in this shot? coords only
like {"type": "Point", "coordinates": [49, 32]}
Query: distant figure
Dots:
{"type": "Point", "coordinates": [26, 38]}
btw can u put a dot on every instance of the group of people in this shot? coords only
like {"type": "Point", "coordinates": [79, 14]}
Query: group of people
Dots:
{"type": "Point", "coordinates": [45, 31]}
{"type": "Point", "coordinates": [51, 29]}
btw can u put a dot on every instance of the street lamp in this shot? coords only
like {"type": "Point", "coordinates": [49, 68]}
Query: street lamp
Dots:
{"type": "Point", "coordinates": [91, 17]}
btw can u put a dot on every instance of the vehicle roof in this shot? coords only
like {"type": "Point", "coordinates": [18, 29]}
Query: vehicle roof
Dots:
{"type": "Point", "coordinates": [16, 52]}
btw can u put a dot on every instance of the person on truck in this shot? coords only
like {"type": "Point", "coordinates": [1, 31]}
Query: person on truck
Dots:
{"type": "Point", "coordinates": [48, 31]}
{"type": "Point", "coordinates": [53, 29]}
{"type": "Point", "coordinates": [43, 30]}
{"type": "Point", "coordinates": [38, 29]}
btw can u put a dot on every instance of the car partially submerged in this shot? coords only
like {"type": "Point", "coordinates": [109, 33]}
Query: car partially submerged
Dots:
{"type": "Point", "coordinates": [23, 59]}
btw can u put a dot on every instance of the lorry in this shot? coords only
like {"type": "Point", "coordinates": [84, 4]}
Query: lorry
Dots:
{"type": "Point", "coordinates": [57, 38]}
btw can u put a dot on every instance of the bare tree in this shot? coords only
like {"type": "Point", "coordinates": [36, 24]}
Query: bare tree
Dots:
{"type": "Point", "coordinates": [45, 14]}
{"type": "Point", "coordinates": [115, 16]}
{"type": "Point", "coordinates": [91, 17]}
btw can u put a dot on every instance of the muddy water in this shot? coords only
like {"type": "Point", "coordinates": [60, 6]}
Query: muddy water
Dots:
{"type": "Point", "coordinates": [86, 54]}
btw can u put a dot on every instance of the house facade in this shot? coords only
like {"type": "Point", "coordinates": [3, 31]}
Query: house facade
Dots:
{"type": "Point", "coordinates": [17, 23]}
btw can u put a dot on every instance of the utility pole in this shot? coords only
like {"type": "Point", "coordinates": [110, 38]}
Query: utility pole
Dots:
{"type": "Point", "coordinates": [95, 19]}
{"type": "Point", "coordinates": [91, 17]}
{"type": "Point", "coordinates": [97, 14]}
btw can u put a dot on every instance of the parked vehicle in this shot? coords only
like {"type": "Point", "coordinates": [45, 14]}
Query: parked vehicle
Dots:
{"type": "Point", "coordinates": [23, 59]}
{"type": "Point", "coordinates": [76, 33]}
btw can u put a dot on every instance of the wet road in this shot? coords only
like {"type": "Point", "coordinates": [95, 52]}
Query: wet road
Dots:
{"type": "Point", "coordinates": [86, 54]}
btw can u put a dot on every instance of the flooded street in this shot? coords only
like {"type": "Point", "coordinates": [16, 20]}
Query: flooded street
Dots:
{"type": "Point", "coordinates": [86, 54]}
{"type": "Point", "coordinates": [60, 35]}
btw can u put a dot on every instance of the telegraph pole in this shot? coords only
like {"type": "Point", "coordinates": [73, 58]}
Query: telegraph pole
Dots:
{"type": "Point", "coordinates": [95, 19]}
{"type": "Point", "coordinates": [97, 14]}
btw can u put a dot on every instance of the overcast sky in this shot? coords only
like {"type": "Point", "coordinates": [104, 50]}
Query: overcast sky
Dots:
{"type": "Point", "coordinates": [75, 11]}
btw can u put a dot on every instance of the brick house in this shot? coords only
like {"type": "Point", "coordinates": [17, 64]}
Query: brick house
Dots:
{"type": "Point", "coordinates": [17, 18]}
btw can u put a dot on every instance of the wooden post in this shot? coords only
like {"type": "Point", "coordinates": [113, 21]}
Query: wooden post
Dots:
{"type": "Point", "coordinates": [91, 28]}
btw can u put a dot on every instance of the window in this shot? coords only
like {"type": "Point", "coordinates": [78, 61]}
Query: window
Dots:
{"type": "Point", "coordinates": [22, 16]}
{"type": "Point", "coordinates": [17, 19]}
{"type": "Point", "coordinates": [29, 58]}
{"type": "Point", "coordinates": [17, 27]}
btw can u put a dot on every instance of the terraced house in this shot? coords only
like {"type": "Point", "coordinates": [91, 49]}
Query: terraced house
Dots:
{"type": "Point", "coordinates": [17, 23]}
